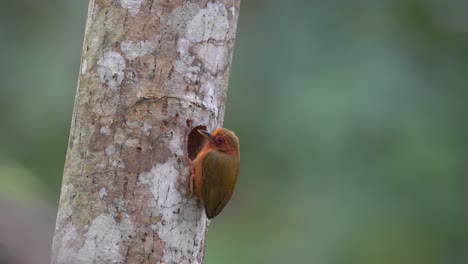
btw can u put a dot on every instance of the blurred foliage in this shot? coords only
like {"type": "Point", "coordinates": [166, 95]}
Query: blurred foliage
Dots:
{"type": "Point", "coordinates": [352, 117]}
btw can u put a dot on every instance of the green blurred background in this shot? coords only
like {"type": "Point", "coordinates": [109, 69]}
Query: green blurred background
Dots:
{"type": "Point", "coordinates": [352, 117]}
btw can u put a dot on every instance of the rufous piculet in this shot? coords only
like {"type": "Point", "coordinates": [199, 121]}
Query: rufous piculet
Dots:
{"type": "Point", "coordinates": [215, 170]}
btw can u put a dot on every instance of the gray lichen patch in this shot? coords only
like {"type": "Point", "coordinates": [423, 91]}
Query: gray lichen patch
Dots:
{"type": "Point", "coordinates": [213, 56]}
{"type": "Point", "coordinates": [104, 232]}
{"type": "Point", "coordinates": [181, 16]}
{"type": "Point", "coordinates": [84, 66]}
{"type": "Point", "coordinates": [133, 6]}
{"type": "Point", "coordinates": [111, 69]}
{"type": "Point", "coordinates": [209, 23]}
{"type": "Point", "coordinates": [133, 50]}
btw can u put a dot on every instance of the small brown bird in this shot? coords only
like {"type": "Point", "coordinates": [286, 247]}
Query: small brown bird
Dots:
{"type": "Point", "coordinates": [215, 170]}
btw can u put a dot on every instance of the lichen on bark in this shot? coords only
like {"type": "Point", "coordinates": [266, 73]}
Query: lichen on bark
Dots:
{"type": "Point", "coordinates": [150, 72]}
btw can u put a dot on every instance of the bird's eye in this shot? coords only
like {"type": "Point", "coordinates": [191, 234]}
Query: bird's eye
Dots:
{"type": "Point", "coordinates": [219, 140]}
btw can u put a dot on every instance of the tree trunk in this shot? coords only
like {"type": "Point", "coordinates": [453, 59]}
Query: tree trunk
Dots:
{"type": "Point", "coordinates": [151, 72]}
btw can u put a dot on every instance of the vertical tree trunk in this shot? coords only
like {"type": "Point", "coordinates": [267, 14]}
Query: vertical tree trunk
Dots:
{"type": "Point", "coordinates": [151, 71]}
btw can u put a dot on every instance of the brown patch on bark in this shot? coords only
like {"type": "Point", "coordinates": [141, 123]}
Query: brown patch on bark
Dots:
{"type": "Point", "coordinates": [144, 26]}
{"type": "Point", "coordinates": [104, 3]}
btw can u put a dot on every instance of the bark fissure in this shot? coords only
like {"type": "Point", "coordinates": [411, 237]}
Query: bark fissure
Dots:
{"type": "Point", "coordinates": [150, 72]}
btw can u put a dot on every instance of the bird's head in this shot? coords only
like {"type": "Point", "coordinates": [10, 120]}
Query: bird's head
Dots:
{"type": "Point", "coordinates": [223, 140]}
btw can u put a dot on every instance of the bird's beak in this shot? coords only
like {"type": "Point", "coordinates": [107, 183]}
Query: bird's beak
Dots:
{"type": "Point", "coordinates": [206, 134]}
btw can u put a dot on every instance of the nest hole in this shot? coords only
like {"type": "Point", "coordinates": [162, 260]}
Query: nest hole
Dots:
{"type": "Point", "coordinates": [195, 142]}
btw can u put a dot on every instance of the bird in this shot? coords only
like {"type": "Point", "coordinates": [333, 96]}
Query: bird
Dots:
{"type": "Point", "coordinates": [215, 170]}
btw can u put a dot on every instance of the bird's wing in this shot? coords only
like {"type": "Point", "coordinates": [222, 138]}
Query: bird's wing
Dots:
{"type": "Point", "coordinates": [219, 175]}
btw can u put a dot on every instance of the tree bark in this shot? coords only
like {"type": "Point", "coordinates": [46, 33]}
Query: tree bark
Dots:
{"type": "Point", "coordinates": [151, 71]}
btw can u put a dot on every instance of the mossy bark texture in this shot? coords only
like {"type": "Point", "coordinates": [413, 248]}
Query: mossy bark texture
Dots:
{"type": "Point", "coordinates": [151, 71]}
